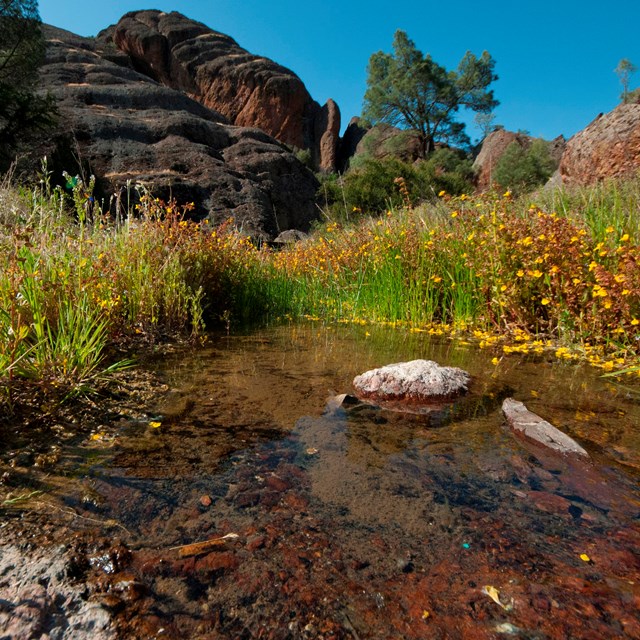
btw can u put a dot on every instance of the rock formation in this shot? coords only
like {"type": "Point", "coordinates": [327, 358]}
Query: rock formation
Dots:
{"type": "Point", "coordinates": [532, 427]}
{"type": "Point", "coordinates": [380, 141]}
{"type": "Point", "coordinates": [608, 147]}
{"type": "Point", "coordinates": [418, 381]}
{"type": "Point", "coordinates": [249, 90]}
{"type": "Point", "coordinates": [493, 147]}
{"type": "Point", "coordinates": [127, 127]}
{"type": "Point", "coordinates": [349, 142]}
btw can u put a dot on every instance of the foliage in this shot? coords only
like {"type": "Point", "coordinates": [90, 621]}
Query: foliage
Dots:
{"type": "Point", "coordinates": [373, 186]}
{"type": "Point", "coordinates": [485, 122]}
{"type": "Point", "coordinates": [304, 156]}
{"type": "Point", "coordinates": [23, 113]}
{"type": "Point", "coordinates": [448, 170]}
{"type": "Point", "coordinates": [74, 283]}
{"type": "Point", "coordinates": [409, 90]}
{"type": "Point", "coordinates": [495, 266]}
{"type": "Point", "coordinates": [523, 168]}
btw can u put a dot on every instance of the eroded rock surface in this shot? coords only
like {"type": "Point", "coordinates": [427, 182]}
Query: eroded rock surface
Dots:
{"type": "Point", "coordinates": [38, 598]}
{"type": "Point", "coordinates": [608, 147]}
{"type": "Point", "coordinates": [528, 425]}
{"type": "Point", "coordinates": [494, 147]}
{"type": "Point", "coordinates": [417, 381]}
{"type": "Point", "coordinates": [128, 128]}
{"type": "Point", "coordinates": [249, 90]}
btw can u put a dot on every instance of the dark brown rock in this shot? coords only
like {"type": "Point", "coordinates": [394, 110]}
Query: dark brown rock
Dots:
{"type": "Point", "coordinates": [349, 142]}
{"type": "Point", "coordinates": [530, 426]}
{"type": "Point", "coordinates": [249, 90]}
{"type": "Point", "coordinates": [608, 147]}
{"type": "Point", "coordinates": [129, 129]}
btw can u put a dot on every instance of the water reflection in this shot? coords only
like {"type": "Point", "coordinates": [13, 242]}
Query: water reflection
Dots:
{"type": "Point", "coordinates": [364, 522]}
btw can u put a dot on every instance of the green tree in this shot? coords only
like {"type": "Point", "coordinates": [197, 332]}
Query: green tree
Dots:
{"type": "Point", "coordinates": [22, 111]}
{"type": "Point", "coordinates": [409, 90]}
{"type": "Point", "coordinates": [624, 71]}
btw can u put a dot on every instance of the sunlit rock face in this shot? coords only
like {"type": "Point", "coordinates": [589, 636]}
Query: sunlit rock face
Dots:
{"type": "Point", "coordinates": [127, 127]}
{"type": "Point", "coordinates": [249, 90]}
{"type": "Point", "coordinates": [608, 147]}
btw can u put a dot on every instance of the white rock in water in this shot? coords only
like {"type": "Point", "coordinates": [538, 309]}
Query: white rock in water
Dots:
{"type": "Point", "coordinates": [533, 427]}
{"type": "Point", "coordinates": [417, 380]}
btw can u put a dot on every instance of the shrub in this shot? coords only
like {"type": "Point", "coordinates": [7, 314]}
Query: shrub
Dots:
{"type": "Point", "coordinates": [521, 169]}
{"type": "Point", "coordinates": [372, 185]}
{"type": "Point", "coordinates": [445, 170]}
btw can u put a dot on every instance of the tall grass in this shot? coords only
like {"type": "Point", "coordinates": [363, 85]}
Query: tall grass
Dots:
{"type": "Point", "coordinates": [492, 264]}
{"type": "Point", "coordinates": [605, 205]}
{"type": "Point", "coordinates": [75, 283]}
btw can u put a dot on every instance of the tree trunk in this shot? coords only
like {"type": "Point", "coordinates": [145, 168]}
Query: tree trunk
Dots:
{"type": "Point", "coordinates": [427, 145]}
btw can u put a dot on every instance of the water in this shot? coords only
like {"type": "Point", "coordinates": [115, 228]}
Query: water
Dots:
{"type": "Point", "coordinates": [362, 522]}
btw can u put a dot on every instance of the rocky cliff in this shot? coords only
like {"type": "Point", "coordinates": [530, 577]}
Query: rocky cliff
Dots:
{"type": "Point", "coordinates": [608, 147]}
{"type": "Point", "coordinates": [121, 117]}
{"type": "Point", "coordinates": [249, 90]}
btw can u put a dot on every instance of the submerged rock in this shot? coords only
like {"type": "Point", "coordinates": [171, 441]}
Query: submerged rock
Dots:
{"type": "Point", "coordinates": [528, 425]}
{"type": "Point", "coordinates": [39, 600]}
{"type": "Point", "coordinates": [417, 381]}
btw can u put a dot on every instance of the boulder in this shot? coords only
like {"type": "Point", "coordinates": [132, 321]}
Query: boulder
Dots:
{"type": "Point", "coordinates": [128, 128]}
{"type": "Point", "coordinates": [417, 381]}
{"type": "Point", "coordinates": [530, 426]}
{"type": "Point", "coordinates": [249, 90]}
{"type": "Point", "coordinates": [493, 147]}
{"type": "Point", "coordinates": [291, 236]}
{"type": "Point", "coordinates": [609, 147]}
{"type": "Point", "coordinates": [384, 141]}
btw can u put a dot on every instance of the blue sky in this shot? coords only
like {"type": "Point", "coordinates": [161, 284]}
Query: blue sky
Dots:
{"type": "Point", "coordinates": [555, 60]}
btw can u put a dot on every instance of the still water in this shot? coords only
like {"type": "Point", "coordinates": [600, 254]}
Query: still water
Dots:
{"type": "Point", "coordinates": [363, 522]}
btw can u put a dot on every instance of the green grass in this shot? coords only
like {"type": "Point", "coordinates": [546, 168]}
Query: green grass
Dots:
{"type": "Point", "coordinates": [74, 284]}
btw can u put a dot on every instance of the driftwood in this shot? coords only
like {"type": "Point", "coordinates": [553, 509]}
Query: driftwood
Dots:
{"type": "Point", "coordinates": [196, 548]}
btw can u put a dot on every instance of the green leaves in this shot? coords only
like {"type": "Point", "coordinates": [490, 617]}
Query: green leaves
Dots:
{"type": "Point", "coordinates": [23, 113]}
{"type": "Point", "coordinates": [409, 90]}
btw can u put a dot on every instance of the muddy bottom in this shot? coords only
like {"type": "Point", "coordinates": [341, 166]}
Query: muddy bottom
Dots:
{"type": "Point", "coordinates": [243, 504]}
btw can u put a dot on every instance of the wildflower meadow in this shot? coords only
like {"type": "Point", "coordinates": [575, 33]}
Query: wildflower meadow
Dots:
{"type": "Point", "coordinates": [78, 287]}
